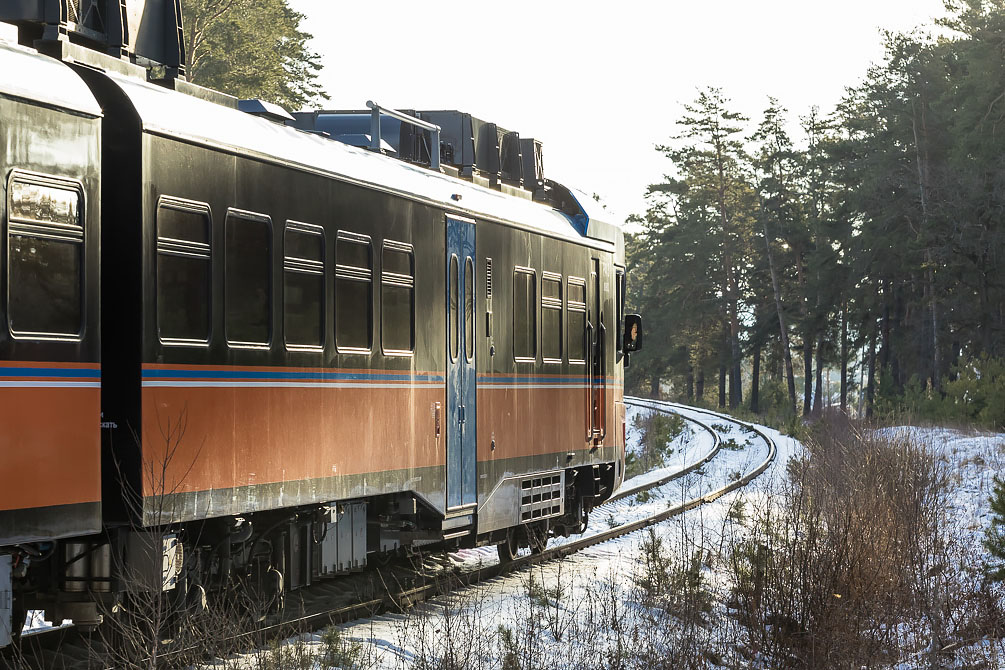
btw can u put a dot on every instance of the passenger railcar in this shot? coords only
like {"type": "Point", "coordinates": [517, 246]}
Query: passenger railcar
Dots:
{"type": "Point", "coordinates": [311, 353]}
{"type": "Point", "coordinates": [50, 482]}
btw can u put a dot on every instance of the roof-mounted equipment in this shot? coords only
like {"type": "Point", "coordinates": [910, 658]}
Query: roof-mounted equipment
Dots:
{"type": "Point", "coordinates": [141, 32]}
{"type": "Point", "coordinates": [376, 111]}
{"type": "Point", "coordinates": [265, 109]}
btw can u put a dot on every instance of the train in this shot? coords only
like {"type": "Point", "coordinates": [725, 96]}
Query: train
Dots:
{"type": "Point", "coordinates": [246, 346]}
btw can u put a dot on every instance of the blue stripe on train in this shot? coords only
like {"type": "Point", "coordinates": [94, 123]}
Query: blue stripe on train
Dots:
{"type": "Point", "coordinates": [68, 373]}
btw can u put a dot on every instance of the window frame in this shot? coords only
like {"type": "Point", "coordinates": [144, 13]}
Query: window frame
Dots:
{"type": "Point", "coordinates": [194, 206]}
{"type": "Point", "coordinates": [234, 213]}
{"type": "Point", "coordinates": [44, 230]}
{"type": "Point", "coordinates": [353, 273]}
{"type": "Point", "coordinates": [558, 305]}
{"type": "Point", "coordinates": [535, 306]}
{"type": "Point", "coordinates": [469, 315]}
{"type": "Point", "coordinates": [454, 308]}
{"type": "Point", "coordinates": [395, 279]}
{"type": "Point", "coordinates": [579, 308]}
{"type": "Point", "coordinates": [306, 267]}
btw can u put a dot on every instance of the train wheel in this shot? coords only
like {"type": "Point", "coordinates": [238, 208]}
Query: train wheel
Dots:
{"type": "Point", "coordinates": [508, 548]}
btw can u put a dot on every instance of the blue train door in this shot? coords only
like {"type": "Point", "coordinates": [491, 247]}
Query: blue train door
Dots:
{"type": "Point", "coordinates": [461, 376]}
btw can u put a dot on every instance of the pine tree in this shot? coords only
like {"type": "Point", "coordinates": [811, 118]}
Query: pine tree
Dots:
{"type": "Point", "coordinates": [994, 536]}
{"type": "Point", "coordinates": [251, 49]}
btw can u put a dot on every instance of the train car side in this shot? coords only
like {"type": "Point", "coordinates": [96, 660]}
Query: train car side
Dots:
{"type": "Point", "coordinates": [49, 360]}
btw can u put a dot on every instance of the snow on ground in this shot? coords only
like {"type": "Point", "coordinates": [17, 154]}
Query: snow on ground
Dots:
{"type": "Point", "coordinates": [536, 613]}
{"type": "Point", "coordinates": [476, 624]}
{"type": "Point", "coordinates": [974, 460]}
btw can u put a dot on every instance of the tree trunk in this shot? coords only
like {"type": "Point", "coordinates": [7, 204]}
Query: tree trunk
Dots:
{"type": "Point", "coordinates": [818, 398]}
{"type": "Point", "coordinates": [722, 385]}
{"type": "Point", "coordinates": [870, 394]}
{"type": "Point", "coordinates": [755, 379]}
{"type": "Point", "coordinates": [922, 161]}
{"type": "Point", "coordinates": [936, 362]}
{"type": "Point", "coordinates": [738, 373]}
{"type": "Point", "coordinates": [690, 384]}
{"type": "Point", "coordinates": [844, 358]}
{"type": "Point", "coordinates": [782, 330]}
{"type": "Point", "coordinates": [808, 373]}
{"type": "Point", "coordinates": [884, 348]}
{"type": "Point", "coordinates": [699, 390]}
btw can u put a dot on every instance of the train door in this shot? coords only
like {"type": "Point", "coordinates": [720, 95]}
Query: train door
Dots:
{"type": "Point", "coordinates": [461, 375]}
{"type": "Point", "coordinates": [597, 353]}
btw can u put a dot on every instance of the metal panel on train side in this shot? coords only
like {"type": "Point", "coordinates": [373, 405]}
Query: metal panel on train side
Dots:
{"type": "Point", "coordinates": [49, 359]}
{"type": "Point", "coordinates": [534, 415]}
{"type": "Point", "coordinates": [267, 426]}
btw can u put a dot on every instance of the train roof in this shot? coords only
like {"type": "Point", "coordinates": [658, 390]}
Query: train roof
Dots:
{"type": "Point", "coordinates": [29, 75]}
{"type": "Point", "coordinates": [190, 118]}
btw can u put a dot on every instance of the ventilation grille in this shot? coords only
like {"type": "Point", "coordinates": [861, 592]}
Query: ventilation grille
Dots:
{"type": "Point", "coordinates": [488, 277]}
{"type": "Point", "coordinates": [541, 497]}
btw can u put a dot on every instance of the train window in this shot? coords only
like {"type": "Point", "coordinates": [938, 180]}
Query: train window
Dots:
{"type": "Point", "coordinates": [183, 272]}
{"type": "Point", "coordinates": [353, 293]}
{"type": "Point", "coordinates": [551, 317]}
{"type": "Point", "coordinates": [45, 257]}
{"type": "Point", "coordinates": [303, 285]}
{"type": "Point", "coordinates": [524, 314]}
{"type": "Point", "coordinates": [248, 279]}
{"type": "Point", "coordinates": [454, 334]}
{"type": "Point", "coordinates": [397, 299]}
{"type": "Point", "coordinates": [619, 327]}
{"type": "Point", "coordinates": [469, 309]}
{"type": "Point", "coordinates": [576, 309]}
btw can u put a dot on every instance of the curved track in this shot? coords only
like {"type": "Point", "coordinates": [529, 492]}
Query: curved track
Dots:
{"type": "Point", "coordinates": [394, 589]}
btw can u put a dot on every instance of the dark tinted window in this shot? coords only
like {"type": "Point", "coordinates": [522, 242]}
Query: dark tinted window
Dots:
{"type": "Point", "coordinates": [397, 288]}
{"type": "Point", "coordinates": [303, 285]}
{"type": "Point", "coordinates": [469, 309]}
{"type": "Point", "coordinates": [524, 314]}
{"type": "Point", "coordinates": [178, 220]}
{"type": "Point", "coordinates": [183, 271]}
{"type": "Point", "coordinates": [551, 318]}
{"type": "Point", "coordinates": [577, 320]}
{"type": "Point", "coordinates": [353, 252]}
{"type": "Point", "coordinates": [45, 249]}
{"type": "Point", "coordinates": [353, 292]}
{"type": "Point", "coordinates": [454, 335]}
{"type": "Point", "coordinates": [248, 294]}
{"type": "Point", "coordinates": [45, 286]}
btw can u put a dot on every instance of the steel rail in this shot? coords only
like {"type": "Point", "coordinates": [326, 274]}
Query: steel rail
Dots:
{"type": "Point", "coordinates": [629, 491]}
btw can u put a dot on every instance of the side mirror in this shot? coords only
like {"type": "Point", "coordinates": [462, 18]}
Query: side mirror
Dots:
{"type": "Point", "coordinates": [633, 333]}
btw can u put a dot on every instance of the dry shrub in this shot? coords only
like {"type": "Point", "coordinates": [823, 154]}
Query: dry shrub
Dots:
{"type": "Point", "coordinates": [847, 564]}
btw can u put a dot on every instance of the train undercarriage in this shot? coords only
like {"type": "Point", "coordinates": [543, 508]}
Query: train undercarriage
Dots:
{"type": "Point", "coordinates": [255, 561]}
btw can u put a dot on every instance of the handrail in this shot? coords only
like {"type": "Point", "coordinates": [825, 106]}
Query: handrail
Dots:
{"type": "Point", "coordinates": [377, 110]}
{"type": "Point", "coordinates": [602, 346]}
{"type": "Point", "coordinates": [589, 380]}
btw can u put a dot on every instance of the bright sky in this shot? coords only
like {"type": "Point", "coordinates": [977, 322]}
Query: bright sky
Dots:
{"type": "Point", "coordinates": [600, 83]}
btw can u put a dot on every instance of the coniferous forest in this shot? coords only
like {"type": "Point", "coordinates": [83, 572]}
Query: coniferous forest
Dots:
{"type": "Point", "coordinates": [850, 257]}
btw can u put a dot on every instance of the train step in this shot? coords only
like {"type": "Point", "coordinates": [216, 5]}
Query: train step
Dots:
{"type": "Point", "coordinates": [458, 524]}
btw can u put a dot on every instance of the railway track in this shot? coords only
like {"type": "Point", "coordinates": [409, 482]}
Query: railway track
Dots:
{"type": "Point", "coordinates": [400, 585]}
